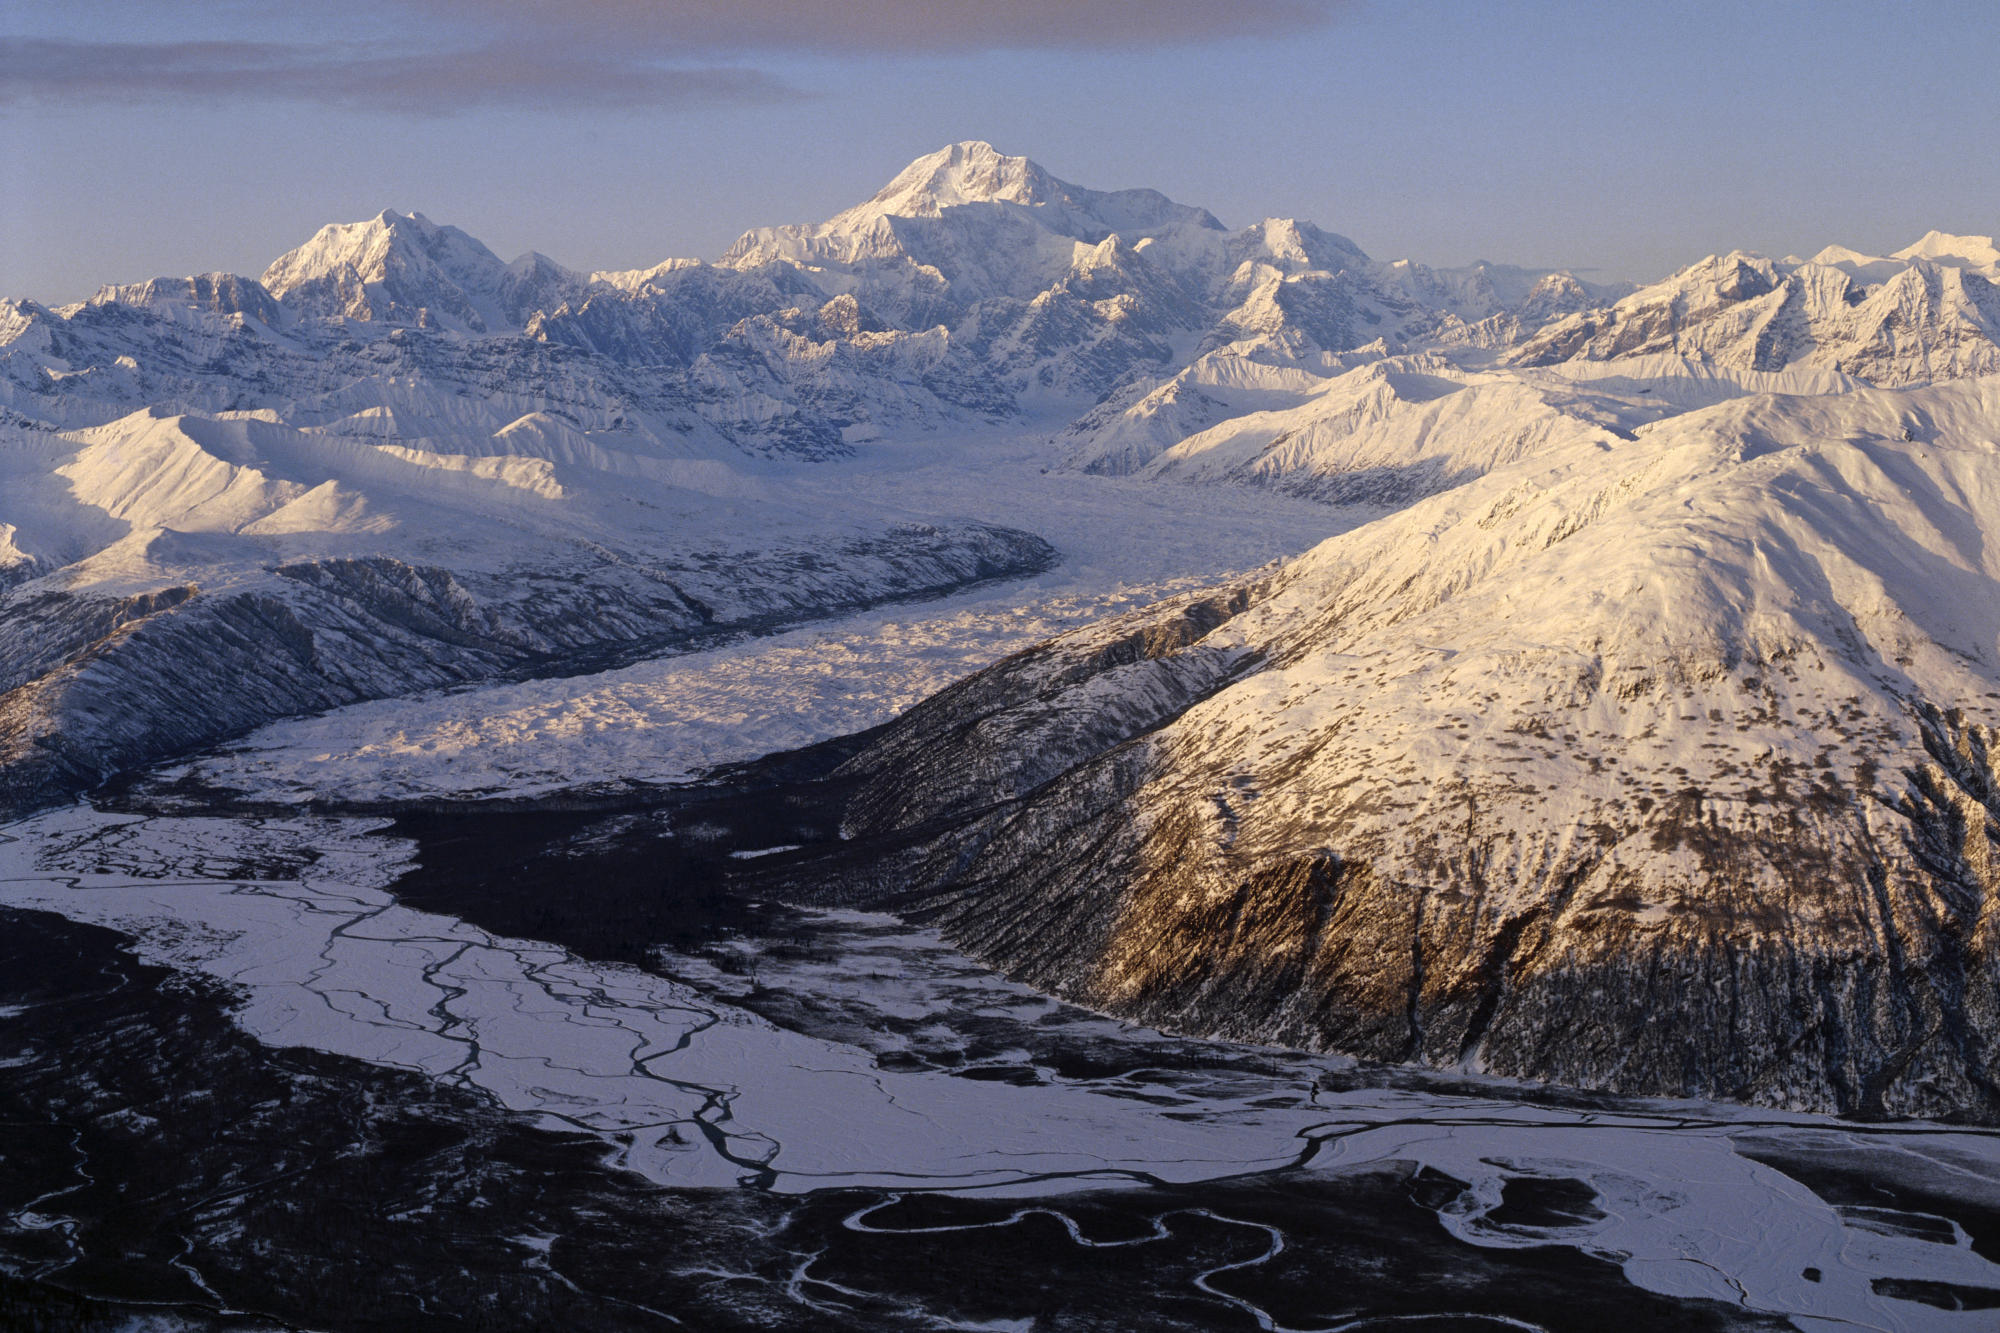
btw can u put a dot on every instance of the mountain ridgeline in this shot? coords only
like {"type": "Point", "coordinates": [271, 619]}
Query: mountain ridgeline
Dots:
{"type": "Point", "coordinates": [1643, 740]}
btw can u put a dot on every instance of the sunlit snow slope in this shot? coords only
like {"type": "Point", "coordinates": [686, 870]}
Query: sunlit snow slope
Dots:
{"type": "Point", "coordinates": [1657, 760]}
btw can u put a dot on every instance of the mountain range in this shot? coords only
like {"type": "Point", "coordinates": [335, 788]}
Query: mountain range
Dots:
{"type": "Point", "coordinates": [1663, 765]}
{"type": "Point", "coordinates": [1643, 740]}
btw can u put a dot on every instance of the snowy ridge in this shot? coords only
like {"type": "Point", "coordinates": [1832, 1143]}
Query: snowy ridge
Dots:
{"type": "Point", "coordinates": [1397, 429]}
{"type": "Point", "coordinates": [1929, 312]}
{"type": "Point", "coordinates": [1658, 763]}
{"type": "Point", "coordinates": [404, 268]}
{"type": "Point", "coordinates": [294, 570]}
{"type": "Point", "coordinates": [976, 224]}
{"type": "Point", "coordinates": [974, 287]}
{"type": "Point", "coordinates": [397, 462]}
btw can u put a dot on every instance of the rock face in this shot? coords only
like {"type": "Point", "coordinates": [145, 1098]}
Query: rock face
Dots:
{"type": "Point", "coordinates": [1662, 765]}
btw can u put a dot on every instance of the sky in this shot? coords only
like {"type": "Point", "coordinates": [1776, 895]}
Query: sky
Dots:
{"type": "Point", "coordinates": [148, 137]}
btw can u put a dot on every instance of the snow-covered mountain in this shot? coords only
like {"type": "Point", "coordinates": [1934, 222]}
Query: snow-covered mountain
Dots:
{"type": "Point", "coordinates": [405, 269]}
{"type": "Point", "coordinates": [396, 461]}
{"type": "Point", "coordinates": [1397, 429]}
{"type": "Point", "coordinates": [1642, 742]}
{"type": "Point", "coordinates": [1662, 764]}
{"type": "Point", "coordinates": [392, 391]}
{"type": "Point", "coordinates": [974, 287]}
{"type": "Point", "coordinates": [171, 579]}
{"type": "Point", "coordinates": [1928, 312]}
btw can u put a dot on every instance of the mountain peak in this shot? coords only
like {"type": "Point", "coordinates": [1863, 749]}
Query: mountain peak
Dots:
{"type": "Point", "coordinates": [975, 172]}
{"type": "Point", "coordinates": [377, 246]}
{"type": "Point", "coordinates": [987, 223]}
{"type": "Point", "coordinates": [972, 172]}
{"type": "Point", "coordinates": [1958, 251]}
{"type": "Point", "coordinates": [404, 268]}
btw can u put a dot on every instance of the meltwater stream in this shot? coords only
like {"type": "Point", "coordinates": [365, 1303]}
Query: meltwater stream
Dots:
{"type": "Point", "coordinates": [900, 1115]}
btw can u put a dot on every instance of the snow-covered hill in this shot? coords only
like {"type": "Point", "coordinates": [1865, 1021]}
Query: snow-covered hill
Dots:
{"type": "Point", "coordinates": [1400, 428]}
{"type": "Point", "coordinates": [1661, 762]}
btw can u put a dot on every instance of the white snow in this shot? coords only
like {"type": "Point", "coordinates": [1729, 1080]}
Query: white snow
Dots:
{"type": "Point", "coordinates": [1124, 543]}
{"type": "Point", "coordinates": [1977, 252]}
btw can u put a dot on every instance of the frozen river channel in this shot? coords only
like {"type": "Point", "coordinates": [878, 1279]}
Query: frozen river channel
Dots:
{"type": "Point", "coordinates": [878, 1104]}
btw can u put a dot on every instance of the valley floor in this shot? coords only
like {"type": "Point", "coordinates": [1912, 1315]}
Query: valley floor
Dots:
{"type": "Point", "coordinates": [539, 1069]}
{"type": "Point", "coordinates": [818, 1115]}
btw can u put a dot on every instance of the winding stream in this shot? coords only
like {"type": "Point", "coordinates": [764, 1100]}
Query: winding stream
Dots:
{"type": "Point", "coordinates": [889, 1071]}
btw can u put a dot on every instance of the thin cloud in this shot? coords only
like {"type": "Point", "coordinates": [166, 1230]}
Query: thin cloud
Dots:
{"type": "Point", "coordinates": [512, 74]}
{"type": "Point", "coordinates": [554, 54]}
{"type": "Point", "coordinates": [896, 27]}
